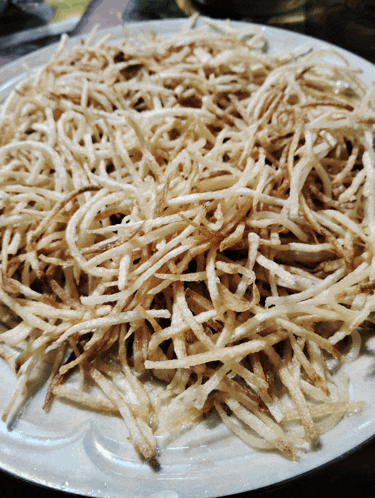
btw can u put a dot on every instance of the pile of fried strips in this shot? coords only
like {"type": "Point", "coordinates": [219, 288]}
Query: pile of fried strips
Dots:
{"type": "Point", "coordinates": [187, 225]}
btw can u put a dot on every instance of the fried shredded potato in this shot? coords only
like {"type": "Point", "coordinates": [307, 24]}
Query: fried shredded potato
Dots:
{"type": "Point", "coordinates": [194, 213]}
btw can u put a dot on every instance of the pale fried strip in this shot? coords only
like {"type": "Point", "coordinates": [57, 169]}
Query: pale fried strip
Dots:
{"type": "Point", "coordinates": [136, 432]}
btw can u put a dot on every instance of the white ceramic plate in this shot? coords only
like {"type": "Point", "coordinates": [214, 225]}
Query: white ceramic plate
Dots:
{"type": "Point", "coordinates": [81, 452]}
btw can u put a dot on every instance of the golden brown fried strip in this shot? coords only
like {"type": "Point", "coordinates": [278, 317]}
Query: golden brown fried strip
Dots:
{"type": "Point", "coordinates": [200, 215]}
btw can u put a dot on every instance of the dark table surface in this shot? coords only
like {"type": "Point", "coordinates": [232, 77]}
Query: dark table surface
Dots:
{"type": "Point", "coordinates": [353, 475]}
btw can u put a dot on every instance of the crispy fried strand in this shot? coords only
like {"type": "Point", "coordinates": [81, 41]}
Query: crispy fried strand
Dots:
{"type": "Point", "coordinates": [191, 211]}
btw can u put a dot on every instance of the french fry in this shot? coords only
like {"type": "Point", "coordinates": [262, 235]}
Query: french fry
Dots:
{"type": "Point", "coordinates": [193, 210]}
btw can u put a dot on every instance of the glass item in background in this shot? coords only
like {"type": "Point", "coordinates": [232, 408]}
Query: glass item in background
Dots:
{"type": "Point", "coordinates": [3, 4]}
{"type": "Point", "coordinates": [144, 10]}
{"type": "Point", "coordinates": [347, 23]}
{"type": "Point", "coordinates": [249, 8]}
{"type": "Point", "coordinates": [21, 15]}
{"type": "Point", "coordinates": [36, 8]}
{"type": "Point", "coordinates": [26, 26]}
{"type": "Point", "coordinates": [283, 13]}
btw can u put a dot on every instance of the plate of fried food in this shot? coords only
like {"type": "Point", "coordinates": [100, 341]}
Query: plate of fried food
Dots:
{"type": "Point", "coordinates": [187, 230]}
